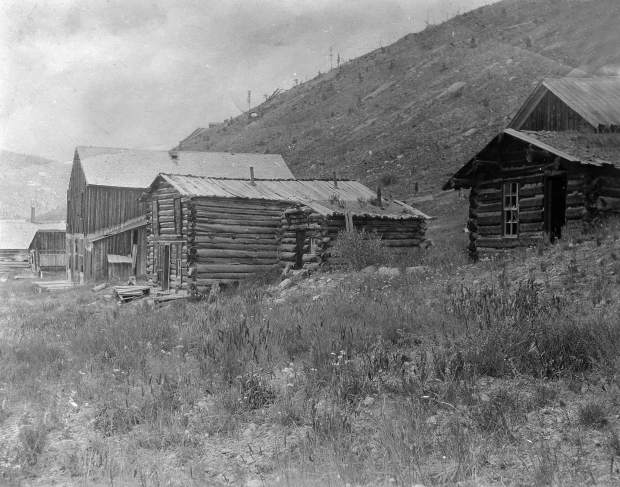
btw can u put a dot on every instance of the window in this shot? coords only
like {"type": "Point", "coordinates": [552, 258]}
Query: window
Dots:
{"type": "Point", "coordinates": [511, 209]}
{"type": "Point", "coordinates": [315, 245]}
{"type": "Point", "coordinates": [155, 218]}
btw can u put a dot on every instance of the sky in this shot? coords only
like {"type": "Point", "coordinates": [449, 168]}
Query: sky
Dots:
{"type": "Point", "coordinates": [145, 74]}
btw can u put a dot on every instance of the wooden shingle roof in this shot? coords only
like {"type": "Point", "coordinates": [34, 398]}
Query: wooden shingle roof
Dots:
{"type": "Point", "coordinates": [131, 168]}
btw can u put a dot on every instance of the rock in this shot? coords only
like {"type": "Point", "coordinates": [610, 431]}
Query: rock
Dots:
{"type": "Point", "coordinates": [249, 431]}
{"type": "Point", "coordinates": [368, 401]}
{"type": "Point", "coordinates": [388, 271]}
{"type": "Point", "coordinates": [286, 283]}
{"type": "Point", "coordinates": [371, 269]}
{"type": "Point", "coordinates": [299, 274]}
{"type": "Point", "coordinates": [470, 132]}
{"type": "Point", "coordinates": [417, 269]}
{"type": "Point", "coordinates": [455, 89]}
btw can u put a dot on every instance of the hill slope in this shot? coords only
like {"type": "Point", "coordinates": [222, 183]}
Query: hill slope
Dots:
{"type": "Point", "coordinates": [26, 178]}
{"type": "Point", "coordinates": [414, 111]}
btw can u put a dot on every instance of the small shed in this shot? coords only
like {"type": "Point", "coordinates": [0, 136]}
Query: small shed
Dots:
{"type": "Point", "coordinates": [47, 249]}
{"type": "Point", "coordinates": [529, 186]}
{"type": "Point", "coordinates": [38, 246]}
{"type": "Point", "coordinates": [204, 230]}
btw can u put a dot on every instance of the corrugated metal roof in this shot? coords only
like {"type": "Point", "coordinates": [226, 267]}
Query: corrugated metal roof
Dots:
{"type": "Point", "coordinates": [596, 99]}
{"type": "Point", "coordinates": [350, 196]}
{"type": "Point", "coordinates": [129, 168]}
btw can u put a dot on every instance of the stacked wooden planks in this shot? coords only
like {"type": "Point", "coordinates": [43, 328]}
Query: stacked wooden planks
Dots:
{"type": "Point", "coordinates": [52, 286]}
{"type": "Point", "coordinates": [129, 293]}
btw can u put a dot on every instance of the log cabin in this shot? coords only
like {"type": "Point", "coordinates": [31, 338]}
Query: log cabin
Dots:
{"type": "Point", "coordinates": [105, 216]}
{"type": "Point", "coordinates": [555, 167]}
{"type": "Point", "coordinates": [203, 231]}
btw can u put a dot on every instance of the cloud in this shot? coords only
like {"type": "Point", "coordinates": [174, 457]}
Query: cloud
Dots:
{"type": "Point", "coordinates": [146, 73]}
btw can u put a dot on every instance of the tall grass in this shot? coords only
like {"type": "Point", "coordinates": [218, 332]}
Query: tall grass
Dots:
{"type": "Point", "coordinates": [168, 377]}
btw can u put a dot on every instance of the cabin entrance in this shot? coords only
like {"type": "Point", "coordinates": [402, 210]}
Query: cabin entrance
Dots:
{"type": "Point", "coordinates": [300, 240]}
{"type": "Point", "coordinates": [165, 267]}
{"type": "Point", "coordinates": [555, 205]}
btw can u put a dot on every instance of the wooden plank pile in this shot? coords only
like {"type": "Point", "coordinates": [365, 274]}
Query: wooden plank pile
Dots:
{"type": "Point", "coordinates": [53, 286]}
{"type": "Point", "coordinates": [126, 294]}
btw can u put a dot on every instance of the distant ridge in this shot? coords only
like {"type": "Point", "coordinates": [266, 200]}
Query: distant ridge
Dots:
{"type": "Point", "coordinates": [26, 178]}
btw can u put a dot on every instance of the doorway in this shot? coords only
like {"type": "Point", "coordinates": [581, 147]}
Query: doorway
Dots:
{"type": "Point", "coordinates": [165, 267]}
{"type": "Point", "coordinates": [300, 240]}
{"type": "Point", "coordinates": [555, 205]}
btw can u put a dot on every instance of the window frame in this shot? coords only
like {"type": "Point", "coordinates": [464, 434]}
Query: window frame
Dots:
{"type": "Point", "coordinates": [510, 209]}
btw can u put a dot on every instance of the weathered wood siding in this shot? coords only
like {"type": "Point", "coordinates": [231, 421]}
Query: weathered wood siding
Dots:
{"type": "Point", "coordinates": [94, 208]}
{"type": "Point", "coordinates": [96, 254]}
{"type": "Point", "coordinates": [76, 199]}
{"type": "Point", "coordinates": [553, 114]}
{"type": "Point", "coordinates": [230, 239]}
{"type": "Point", "coordinates": [106, 207]}
{"type": "Point", "coordinates": [49, 240]}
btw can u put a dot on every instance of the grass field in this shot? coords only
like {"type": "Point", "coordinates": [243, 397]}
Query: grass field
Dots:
{"type": "Point", "coordinates": [504, 372]}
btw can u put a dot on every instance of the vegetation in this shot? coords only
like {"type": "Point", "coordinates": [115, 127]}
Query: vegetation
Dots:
{"type": "Point", "coordinates": [446, 376]}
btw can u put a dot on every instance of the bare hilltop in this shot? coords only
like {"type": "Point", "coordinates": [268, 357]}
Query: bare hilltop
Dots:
{"type": "Point", "coordinates": [413, 111]}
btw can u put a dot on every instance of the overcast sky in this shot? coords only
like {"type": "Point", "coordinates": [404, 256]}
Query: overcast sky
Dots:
{"type": "Point", "coordinates": [144, 74]}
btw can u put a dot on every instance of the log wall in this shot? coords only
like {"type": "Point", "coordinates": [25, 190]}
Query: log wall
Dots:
{"type": "Point", "coordinates": [172, 229]}
{"type": "Point", "coordinates": [605, 196]}
{"type": "Point", "coordinates": [486, 219]}
{"type": "Point", "coordinates": [316, 237]}
{"type": "Point", "coordinates": [230, 239]}
{"type": "Point", "coordinates": [394, 232]}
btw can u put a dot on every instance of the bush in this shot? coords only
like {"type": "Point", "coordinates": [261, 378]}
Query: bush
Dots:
{"type": "Point", "coordinates": [358, 249]}
{"type": "Point", "coordinates": [593, 414]}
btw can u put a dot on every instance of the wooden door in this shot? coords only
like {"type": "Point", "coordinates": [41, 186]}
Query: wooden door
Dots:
{"type": "Point", "coordinates": [165, 267]}
{"type": "Point", "coordinates": [300, 240]}
{"type": "Point", "coordinates": [555, 205]}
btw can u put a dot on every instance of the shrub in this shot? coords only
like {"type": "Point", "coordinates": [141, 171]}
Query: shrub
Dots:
{"type": "Point", "coordinates": [388, 179]}
{"type": "Point", "coordinates": [358, 249]}
{"type": "Point", "coordinates": [592, 414]}
{"type": "Point", "coordinates": [31, 440]}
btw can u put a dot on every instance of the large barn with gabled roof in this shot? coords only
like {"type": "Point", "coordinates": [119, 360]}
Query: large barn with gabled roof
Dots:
{"type": "Point", "coordinates": [105, 220]}
{"type": "Point", "coordinates": [555, 166]}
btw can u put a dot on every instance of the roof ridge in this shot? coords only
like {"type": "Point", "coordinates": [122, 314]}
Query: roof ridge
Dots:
{"type": "Point", "coordinates": [221, 178]}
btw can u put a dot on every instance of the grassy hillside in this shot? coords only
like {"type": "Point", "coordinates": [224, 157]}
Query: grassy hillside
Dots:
{"type": "Point", "coordinates": [412, 112]}
{"type": "Point", "coordinates": [26, 178]}
{"type": "Point", "coordinates": [497, 373]}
